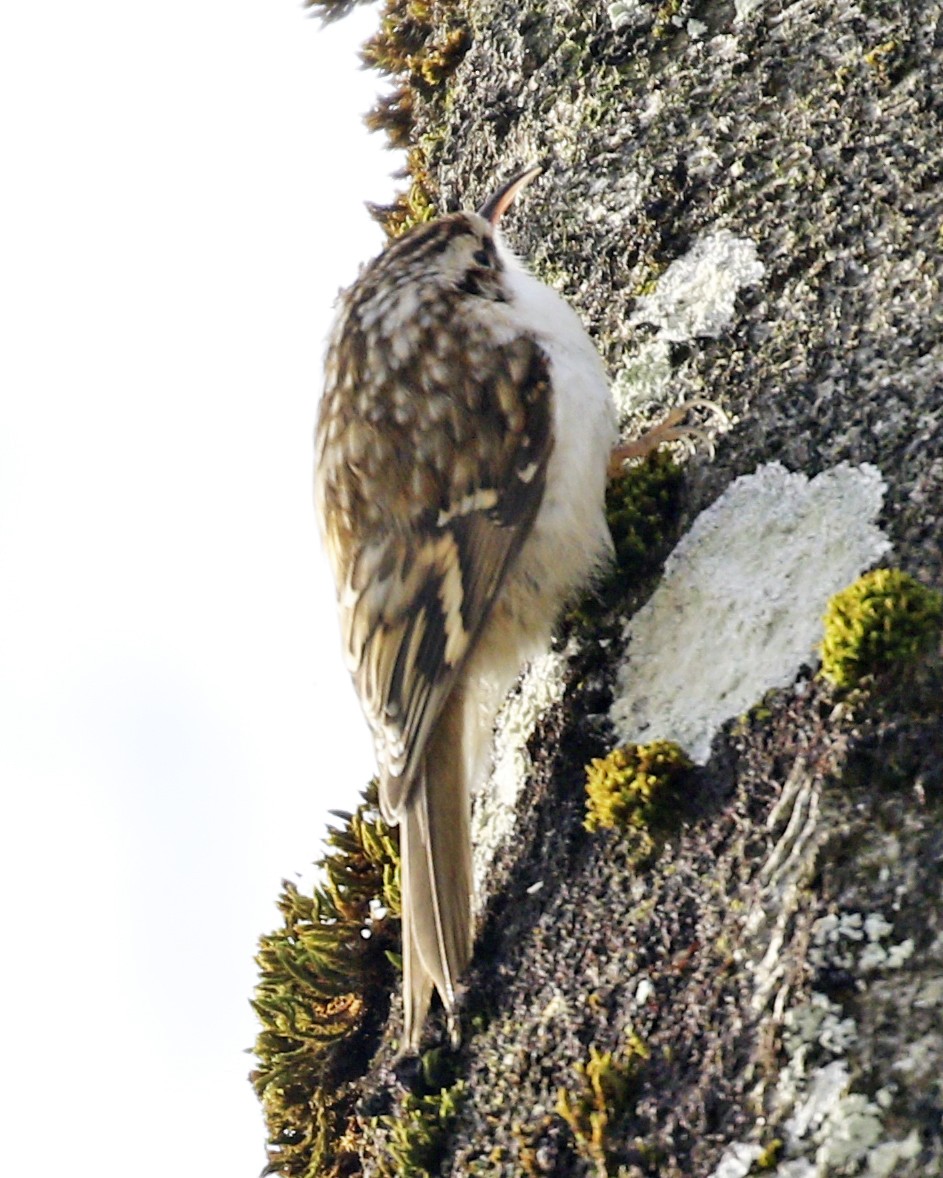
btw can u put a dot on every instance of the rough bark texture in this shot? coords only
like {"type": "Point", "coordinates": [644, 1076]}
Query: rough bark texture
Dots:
{"type": "Point", "coordinates": [781, 958]}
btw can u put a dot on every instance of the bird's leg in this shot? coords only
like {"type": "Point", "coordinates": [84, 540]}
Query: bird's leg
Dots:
{"type": "Point", "coordinates": [668, 430]}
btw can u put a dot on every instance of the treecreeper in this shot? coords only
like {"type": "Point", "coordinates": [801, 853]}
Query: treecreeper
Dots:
{"type": "Point", "coordinates": [462, 447]}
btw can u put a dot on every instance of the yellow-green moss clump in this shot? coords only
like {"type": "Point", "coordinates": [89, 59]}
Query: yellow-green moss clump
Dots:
{"type": "Point", "coordinates": [885, 619]}
{"type": "Point", "coordinates": [769, 1158]}
{"type": "Point", "coordinates": [324, 983]}
{"type": "Point", "coordinates": [603, 1095]}
{"type": "Point", "coordinates": [635, 788]}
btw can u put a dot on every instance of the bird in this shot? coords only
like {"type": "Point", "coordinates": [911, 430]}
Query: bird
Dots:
{"type": "Point", "coordinates": [463, 443]}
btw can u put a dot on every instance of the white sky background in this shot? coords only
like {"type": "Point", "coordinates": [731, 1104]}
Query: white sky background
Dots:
{"type": "Point", "coordinates": [181, 197]}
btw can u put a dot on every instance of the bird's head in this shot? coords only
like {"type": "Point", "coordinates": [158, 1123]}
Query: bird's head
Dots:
{"type": "Point", "coordinates": [461, 251]}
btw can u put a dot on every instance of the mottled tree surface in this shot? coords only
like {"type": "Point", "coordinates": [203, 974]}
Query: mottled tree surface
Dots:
{"type": "Point", "coordinates": [781, 956]}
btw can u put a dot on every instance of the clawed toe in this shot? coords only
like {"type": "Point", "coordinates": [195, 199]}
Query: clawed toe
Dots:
{"type": "Point", "coordinates": [669, 430]}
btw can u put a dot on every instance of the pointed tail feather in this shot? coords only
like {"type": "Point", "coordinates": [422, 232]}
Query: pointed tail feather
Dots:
{"type": "Point", "coordinates": [435, 851]}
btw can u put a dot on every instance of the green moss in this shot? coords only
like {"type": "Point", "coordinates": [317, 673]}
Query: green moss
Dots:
{"type": "Point", "coordinates": [412, 1139]}
{"type": "Point", "coordinates": [394, 114]}
{"type": "Point", "coordinates": [885, 620]}
{"type": "Point", "coordinates": [438, 63]}
{"type": "Point", "coordinates": [416, 205]}
{"type": "Point", "coordinates": [418, 46]}
{"type": "Point", "coordinates": [636, 789]}
{"type": "Point", "coordinates": [883, 58]}
{"type": "Point", "coordinates": [531, 1140]}
{"type": "Point", "coordinates": [323, 991]}
{"type": "Point", "coordinates": [419, 1135]}
{"type": "Point", "coordinates": [641, 507]}
{"type": "Point", "coordinates": [604, 1093]}
{"type": "Point", "coordinates": [877, 55]}
{"type": "Point", "coordinates": [663, 18]}
{"type": "Point", "coordinates": [769, 1158]}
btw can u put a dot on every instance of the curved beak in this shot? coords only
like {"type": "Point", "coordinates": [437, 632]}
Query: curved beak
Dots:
{"type": "Point", "coordinates": [499, 202]}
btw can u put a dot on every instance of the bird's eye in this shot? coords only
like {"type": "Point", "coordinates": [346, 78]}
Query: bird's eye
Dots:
{"type": "Point", "coordinates": [482, 257]}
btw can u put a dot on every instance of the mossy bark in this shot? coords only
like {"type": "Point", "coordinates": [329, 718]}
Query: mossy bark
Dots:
{"type": "Point", "coordinates": [790, 936]}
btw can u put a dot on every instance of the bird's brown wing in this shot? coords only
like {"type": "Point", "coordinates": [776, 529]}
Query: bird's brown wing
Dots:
{"type": "Point", "coordinates": [415, 593]}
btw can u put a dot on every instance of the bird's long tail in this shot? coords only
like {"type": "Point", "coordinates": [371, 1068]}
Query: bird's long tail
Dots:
{"type": "Point", "coordinates": [435, 854]}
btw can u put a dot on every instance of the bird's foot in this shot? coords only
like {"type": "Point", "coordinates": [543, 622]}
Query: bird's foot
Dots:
{"type": "Point", "coordinates": [668, 430]}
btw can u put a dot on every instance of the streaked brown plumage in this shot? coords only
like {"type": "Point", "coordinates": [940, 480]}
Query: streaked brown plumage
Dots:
{"type": "Point", "coordinates": [462, 447]}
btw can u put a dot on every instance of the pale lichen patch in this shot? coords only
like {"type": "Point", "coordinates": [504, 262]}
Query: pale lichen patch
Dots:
{"type": "Point", "coordinates": [921, 1064]}
{"type": "Point", "coordinates": [884, 1159]}
{"type": "Point", "coordinates": [835, 937]}
{"type": "Point", "coordinates": [824, 1090]}
{"type": "Point", "coordinates": [745, 8]}
{"type": "Point", "coordinates": [819, 1021]}
{"type": "Point", "coordinates": [828, 1126]}
{"type": "Point", "coordinates": [645, 378]}
{"type": "Point", "coordinates": [623, 12]}
{"type": "Point", "coordinates": [738, 1160]}
{"type": "Point", "coordinates": [541, 686]}
{"type": "Point", "coordinates": [850, 1131]}
{"type": "Point", "coordinates": [696, 295]}
{"type": "Point", "coordinates": [739, 608]}
{"type": "Point", "coordinates": [798, 1168]}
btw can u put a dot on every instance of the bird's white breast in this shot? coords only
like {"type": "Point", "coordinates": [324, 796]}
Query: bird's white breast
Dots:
{"type": "Point", "coordinates": [569, 542]}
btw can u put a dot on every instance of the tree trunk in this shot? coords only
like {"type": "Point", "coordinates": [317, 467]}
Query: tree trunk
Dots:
{"type": "Point", "coordinates": [743, 201]}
